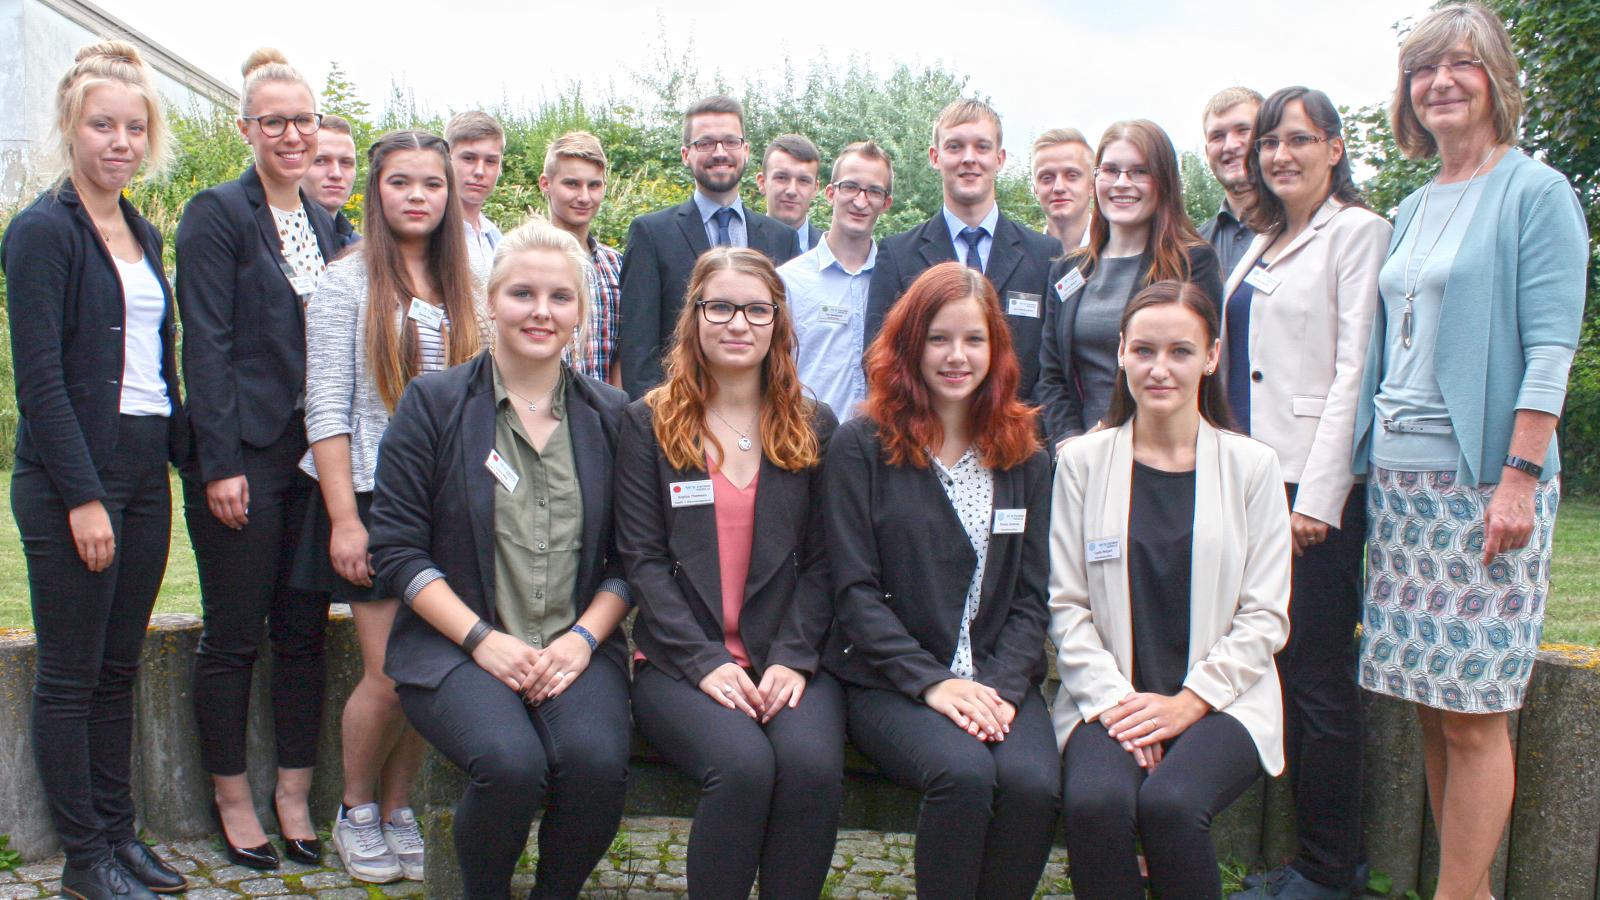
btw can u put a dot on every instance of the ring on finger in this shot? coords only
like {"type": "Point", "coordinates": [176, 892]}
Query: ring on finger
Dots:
{"type": "Point", "coordinates": [727, 689]}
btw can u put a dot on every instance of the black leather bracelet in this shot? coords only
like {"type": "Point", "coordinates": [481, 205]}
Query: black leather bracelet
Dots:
{"type": "Point", "coordinates": [1525, 466]}
{"type": "Point", "coordinates": [475, 636]}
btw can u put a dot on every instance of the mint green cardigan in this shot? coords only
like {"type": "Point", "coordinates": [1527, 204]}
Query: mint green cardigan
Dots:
{"type": "Point", "coordinates": [1517, 283]}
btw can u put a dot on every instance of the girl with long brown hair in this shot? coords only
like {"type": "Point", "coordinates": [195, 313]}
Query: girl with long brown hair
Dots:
{"type": "Point", "coordinates": [402, 302]}
{"type": "Point", "coordinates": [719, 525]}
{"type": "Point", "coordinates": [1139, 235]}
{"type": "Point", "coordinates": [936, 514]}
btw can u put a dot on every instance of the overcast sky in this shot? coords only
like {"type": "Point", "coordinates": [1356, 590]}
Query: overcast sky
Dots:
{"type": "Point", "coordinates": [1044, 63]}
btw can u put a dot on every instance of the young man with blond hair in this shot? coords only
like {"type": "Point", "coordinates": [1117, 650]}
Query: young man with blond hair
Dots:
{"type": "Point", "coordinates": [1229, 125]}
{"type": "Point", "coordinates": [970, 229]}
{"type": "Point", "coordinates": [827, 286]}
{"type": "Point", "coordinates": [477, 149]}
{"type": "Point", "coordinates": [574, 185]}
{"type": "Point", "coordinates": [788, 182]}
{"type": "Point", "coordinates": [1063, 183]}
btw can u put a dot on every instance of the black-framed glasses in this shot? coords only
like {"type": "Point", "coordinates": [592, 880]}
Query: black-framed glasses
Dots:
{"type": "Point", "coordinates": [1457, 69]}
{"type": "Point", "coordinates": [849, 190]}
{"type": "Point", "coordinates": [706, 145]}
{"type": "Point", "coordinates": [1295, 142]}
{"type": "Point", "coordinates": [274, 125]}
{"type": "Point", "coordinates": [720, 312]}
{"type": "Point", "coordinates": [1110, 174]}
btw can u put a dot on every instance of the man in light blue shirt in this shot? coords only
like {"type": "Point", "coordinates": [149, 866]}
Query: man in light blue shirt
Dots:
{"type": "Point", "coordinates": [477, 148]}
{"type": "Point", "coordinates": [826, 287]}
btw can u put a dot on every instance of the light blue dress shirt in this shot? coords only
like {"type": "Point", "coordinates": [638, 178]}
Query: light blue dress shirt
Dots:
{"type": "Point", "coordinates": [738, 233]}
{"type": "Point", "coordinates": [984, 243]}
{"type": "Point", "coordinates": [829, 305]}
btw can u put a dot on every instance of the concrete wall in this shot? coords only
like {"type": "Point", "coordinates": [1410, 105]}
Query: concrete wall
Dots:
{"type": "Point", "coordinates": [1552, 850]}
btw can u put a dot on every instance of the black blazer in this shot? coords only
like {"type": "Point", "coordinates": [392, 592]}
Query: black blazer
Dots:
{"type": "Point", "coordinates": [901, 564]}
{"type": "Point", "coordinates": [344, 231]}
{"type": "Point", "coordinates": [662, 249]}
{"type": "Point", "coordinates": [672, 562]}
{"type": "Point", "coordinates": [1019, 262]}
{"type": "Point", "coordinates": [1060, 395]}
{"type": "Point", "coordinates": [244, 347]}
{"type": "Point", "coordinates": [433, 506]}
{"type": "Point", "coordinates": [67, 315]}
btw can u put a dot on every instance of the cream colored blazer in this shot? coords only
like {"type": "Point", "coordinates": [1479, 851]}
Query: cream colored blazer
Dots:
{"type": "Point", "coordinates": [1239, 588]}
{"type": "Point", "coordinates": [1308, 342]}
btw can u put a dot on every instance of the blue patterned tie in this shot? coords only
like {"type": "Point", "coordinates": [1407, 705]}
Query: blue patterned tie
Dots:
{"type": "Point", "coordinates": [972, 235]}
{"type": "Point", "coordinates": [723, 216]}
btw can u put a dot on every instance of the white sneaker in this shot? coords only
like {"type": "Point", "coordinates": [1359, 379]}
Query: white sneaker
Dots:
{"type": "Point", "coordinates": [405, 841]}
{"type": "Point", "coordinates": [358, 837]}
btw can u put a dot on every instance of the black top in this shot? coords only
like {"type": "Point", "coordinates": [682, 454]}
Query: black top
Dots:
{"type": "Point", "coordinates": [671, 560]}
{"type": "Point", "coordinates": [1160, 551]}
{"type": "Point", "coordinates": [65, 301]}
{"type": "Point", "coordinates": [1238, 329]}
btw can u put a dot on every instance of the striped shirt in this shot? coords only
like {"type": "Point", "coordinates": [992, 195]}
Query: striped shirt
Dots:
{"type": "Point", "coordinates": [603, 306]}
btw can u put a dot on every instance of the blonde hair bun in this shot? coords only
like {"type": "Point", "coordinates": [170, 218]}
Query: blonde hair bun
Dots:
{"type": "Point", "coordinates": [263, 56]}
{"type": "Point", "coordinates": [109, 50]}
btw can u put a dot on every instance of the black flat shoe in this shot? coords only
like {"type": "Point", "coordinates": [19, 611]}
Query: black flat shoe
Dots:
{"type": "Point", "coordinates": [263, 857]}
{"type": "Point", "coordinates": [104, 880]}
{"type": "Point", "coordinates": [149, 869]}
{"type": "Point", "coordinates": [302, 850]}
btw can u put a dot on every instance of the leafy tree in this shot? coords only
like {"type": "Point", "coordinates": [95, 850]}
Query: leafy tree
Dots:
{"type": "Point", "coordinates": [1202, 194]}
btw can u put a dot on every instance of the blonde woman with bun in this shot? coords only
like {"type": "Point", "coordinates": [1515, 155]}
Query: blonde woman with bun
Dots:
{"type": "Point", "coordinates": [88, 300]}
{"type": "Point", "coordinates": [250, 255]}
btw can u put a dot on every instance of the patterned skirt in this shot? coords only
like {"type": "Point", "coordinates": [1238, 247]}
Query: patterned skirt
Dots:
{"type": "Point", "coordinates": [1438, 626]}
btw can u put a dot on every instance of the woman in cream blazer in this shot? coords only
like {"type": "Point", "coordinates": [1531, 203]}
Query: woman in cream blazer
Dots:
{"type": "Point", "coordinates": [1299, 311]}
{"type": "Point", "coordinates": [1169, 704]}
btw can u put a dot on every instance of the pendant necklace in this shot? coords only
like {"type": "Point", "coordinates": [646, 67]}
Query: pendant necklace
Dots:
{"type": "Point", "coordinates": [744, 436]}
{"type": "Point", "coordinates": [532, 406]}
{"type": "Point", "coordinates": [1411, 290]}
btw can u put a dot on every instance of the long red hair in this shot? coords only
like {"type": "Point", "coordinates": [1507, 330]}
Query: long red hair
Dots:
{"type": "Point", "coordinates": [898, 399]}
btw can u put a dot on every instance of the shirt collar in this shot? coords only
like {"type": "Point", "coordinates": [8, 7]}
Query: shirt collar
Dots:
{"type": "Point", "coordinates": [1226, 212]}
{"type": "Point", "coordinates": [825, 258]}
{"type": "Point", "coordinates": [708, 206]}
{"type": "Point", "coordinates": [558, 397]}
{"type": "Point", "coordinates": [955, 224]}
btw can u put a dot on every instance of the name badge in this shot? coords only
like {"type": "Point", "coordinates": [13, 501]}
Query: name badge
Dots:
{"type": "Point", "coordinates": [304, 285]}
{"type": "Point", "coordinates": [1019, 303]}
{"type": "Point", "coordinates": [1069, 282]}
{"type": "Point", "coordinates": [1262, 280]}
{"type": "Point", "coordinates": [425, 313]}
{"type": "Point", "coordinates": [690, 493]}
{"type": "Point", "coordinates": [1010, 521]}
{"type": "Point", "coordinates": [1102, 549]}
{"type": "Point", "coordinates": [502, 471]}
{"type": "Point", "coordinates": [836, 315]}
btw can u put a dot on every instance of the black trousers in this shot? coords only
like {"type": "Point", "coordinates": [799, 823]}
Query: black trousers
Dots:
{"type": "Point", "coordinates": [1109, 802]}
{"type": "Point", "coordinates": [988, 810]}
{"type": "Point", "coordinates": [90, 627]}
{"type": "Point", "coordinates": [571, 750]}
{"type": "Point", "coordinates": [244, 582]}
{"type": "Point", "coordinates": [1322, 718]}
{"type": "Point", "coordinates": [769, 794]}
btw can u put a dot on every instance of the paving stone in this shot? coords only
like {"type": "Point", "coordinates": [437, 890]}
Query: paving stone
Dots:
{"type": "Point", "coordinates": [211, 893]}
{"type": "Point", "coordinates": [181, 864]}
{"type": "Point", "coordinates": [39, 871]}
{"type": "Point", "coordinates": [670, 883]}
{"type": "Point", "coordinates": [263, 887]}
{"type": "Point", "coordinates": [402, 889]}
{"type": "Point", "coordinates": [349, 893]}
{"type": "Point", "coordinates": [322, 880]}
{"type": "Point", "coordinates": [18, 889]}
{"type": "Point", "coordinates": [231, 874]}
{"type": "Point", "coordinates": [7, 876]}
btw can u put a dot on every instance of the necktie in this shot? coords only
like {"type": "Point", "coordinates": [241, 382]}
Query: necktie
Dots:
{"type": "Point", "coordinates": [972, 235]}
{"type": "Point", "coordinates": [723, 216]}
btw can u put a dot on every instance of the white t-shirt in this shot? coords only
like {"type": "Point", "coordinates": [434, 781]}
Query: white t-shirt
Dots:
{"type": "Point", "coordinates": [144, 306]}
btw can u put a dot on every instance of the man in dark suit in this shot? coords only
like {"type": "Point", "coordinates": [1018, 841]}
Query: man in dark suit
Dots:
{"type": "Point", "coordinates": [663, 245]}
{"type": "Point", "coordinates": [970, 229]}
{"type": "Point", "coordinates": [788, 180]}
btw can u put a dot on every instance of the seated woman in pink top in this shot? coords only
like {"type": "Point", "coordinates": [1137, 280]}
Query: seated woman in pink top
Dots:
{"type": "Point", "coordinates": [719, 525]}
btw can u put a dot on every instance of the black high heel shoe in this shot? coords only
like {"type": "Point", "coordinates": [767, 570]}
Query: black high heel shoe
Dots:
{"type": "Point", "coordinates": [307, 851]}
{"type": "Point", "coordinates": [264, 857]}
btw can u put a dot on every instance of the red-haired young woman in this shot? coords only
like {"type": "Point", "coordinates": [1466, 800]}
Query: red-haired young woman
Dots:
{"type": "Point", "coordinates": [936, 512]}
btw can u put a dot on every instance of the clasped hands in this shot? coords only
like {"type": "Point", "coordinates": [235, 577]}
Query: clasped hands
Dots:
{"type": "Point", "coordinates": [538, 675]}
{"type": "Point", "coordinates": [780, 687]}
{"type": "Point", "coordinates": [977, 709]}
{"type": "Point", "coordinates": [1141, 722]}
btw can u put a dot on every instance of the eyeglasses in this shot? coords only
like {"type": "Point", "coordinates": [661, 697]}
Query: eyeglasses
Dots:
{"type": "Point", "coordinates": [1457, 69]}
{"type": "Point", "coordinates": [706, 145]}
{"type": "Point", "coordinates": [1110, 174]}
{"type": "Point", "coordinates": [720, 312]}
{"type": "Point", "coordinates": [849, 190]}
{"type": "Point", "coordinates": [1295, 142]}
{"type": "Point", "coordinates": [273, 126]}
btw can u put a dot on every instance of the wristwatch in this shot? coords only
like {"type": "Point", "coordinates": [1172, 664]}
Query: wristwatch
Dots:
{"type": "Point", "coordinates": [1526, 466]}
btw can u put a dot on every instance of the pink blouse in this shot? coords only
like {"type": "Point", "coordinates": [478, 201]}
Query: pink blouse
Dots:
{"type": "Point", "coordinates": [736, 521]}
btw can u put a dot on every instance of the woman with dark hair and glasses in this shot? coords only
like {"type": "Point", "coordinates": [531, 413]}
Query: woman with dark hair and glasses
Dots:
{"type": "Point", "coordinates": [250, 254]}
{"type": "Point", "coordinates": [719, 473]}
{"type": "Point", "coordinates": [1464, 381]}
{"type": "Point", "coordinates": [1140, 234]}
{"type": "Point", "coordinates": [1298, 316]}
{"type": "Point", "coordinates": [1169, 594]}
{"type": "Point", "coordinates": [403, 302]}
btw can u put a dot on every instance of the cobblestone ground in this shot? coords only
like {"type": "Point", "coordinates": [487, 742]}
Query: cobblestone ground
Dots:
{"type": "Point", "coordinates": [645, 861]}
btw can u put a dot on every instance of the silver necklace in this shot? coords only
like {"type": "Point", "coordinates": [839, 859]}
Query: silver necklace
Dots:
{"type": "Point", "coordinates": [1411, 290]}
{"type": "Point", "coordinates": [744, 436]}
{"type": "Point", "coordinates": [532, 406]}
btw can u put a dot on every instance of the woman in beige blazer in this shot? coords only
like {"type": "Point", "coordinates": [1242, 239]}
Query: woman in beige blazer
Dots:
{"type": "Point", "coordinates": [1169, 704]}
{"type": "Point", "coordinates": [1298, 315]}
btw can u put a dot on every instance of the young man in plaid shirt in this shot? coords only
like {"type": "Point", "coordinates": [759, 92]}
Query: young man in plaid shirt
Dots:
{"type": "Point", "coordinates": [574, 184]}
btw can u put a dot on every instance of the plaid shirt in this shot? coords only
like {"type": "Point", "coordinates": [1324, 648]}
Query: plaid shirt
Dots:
{"type": "Point", "coordinates": [602, 346]}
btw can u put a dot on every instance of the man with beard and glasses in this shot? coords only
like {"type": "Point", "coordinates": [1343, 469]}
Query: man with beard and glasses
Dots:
{"type": "Point", "coordinates": [663, 245]}
{"type": "Point", "coordinates": [1229, 124]}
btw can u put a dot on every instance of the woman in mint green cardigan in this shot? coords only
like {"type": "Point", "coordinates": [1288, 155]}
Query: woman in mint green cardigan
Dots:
{"type": "Point", "coordinates": [1482, 297]}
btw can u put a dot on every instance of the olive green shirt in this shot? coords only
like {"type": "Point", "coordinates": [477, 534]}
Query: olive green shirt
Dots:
{"type": "Point", "coordinates": [538, 527]}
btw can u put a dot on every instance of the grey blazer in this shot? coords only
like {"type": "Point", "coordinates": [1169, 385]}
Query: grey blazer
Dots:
{"type": "Point", "coordinates": [341, 397]}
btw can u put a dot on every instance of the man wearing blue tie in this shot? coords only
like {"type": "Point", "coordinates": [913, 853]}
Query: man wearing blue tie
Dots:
{"type": "Point", "coordinates": [970, 229]}
{"type": "Point", "coordinates": [663, 245]}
